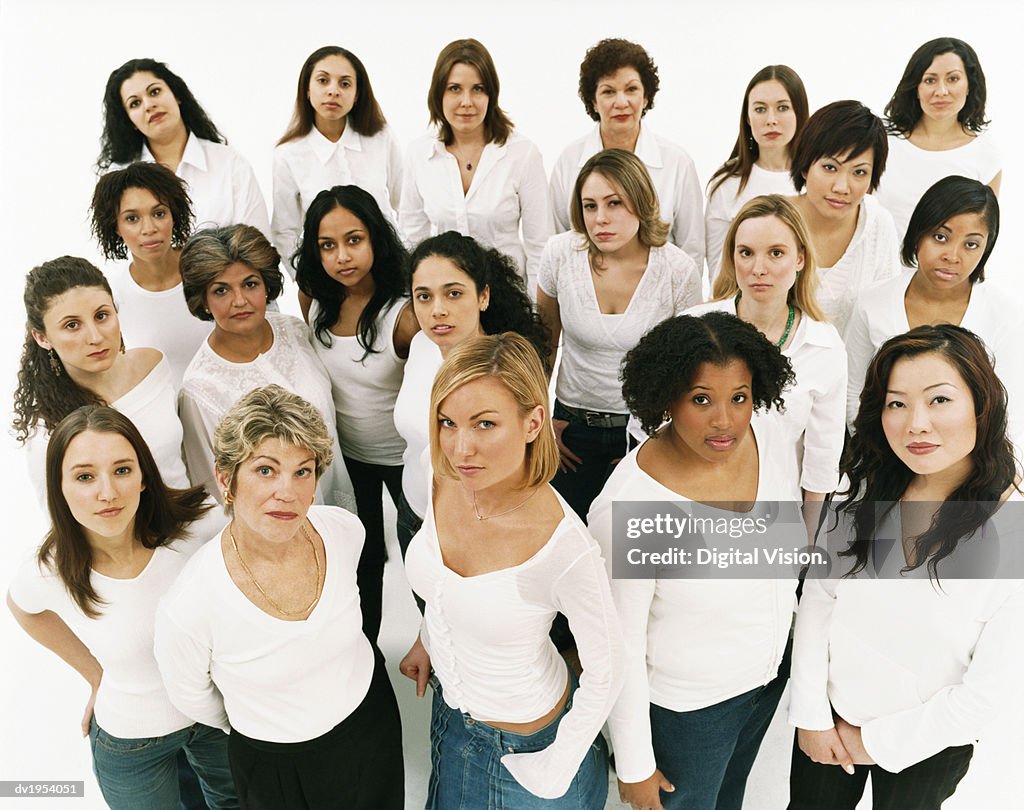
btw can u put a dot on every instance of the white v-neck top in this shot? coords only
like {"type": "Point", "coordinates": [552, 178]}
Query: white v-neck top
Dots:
{"type": "Point", "coordinates": [228, 664]}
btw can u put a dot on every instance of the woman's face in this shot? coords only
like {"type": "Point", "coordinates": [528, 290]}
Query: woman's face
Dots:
{"type": "Point", "coordinates": [483, 433]}
{"type": "Point", "coordinates": [145, 224]}
{"type": "Point", "coordinates": [770, 114]}
{"type": "Point", "coordinates": [332, 90]}
{"type": "Point", "coordinates": [237, 300]}
{"type": "Point", "coordinates": [447, 302]}
{"type": "Point", "coordinates": [465, 100]}
{"type": "Point", "coordinates": [929, 418]}
{"type": "Point", "coordinates": [948, 255]}
{"type": "Point", "coordinates": [151, 106]}
{"type": "Point", "coordinates": [273, 489]}
{"type": "Point", "coordinates": [102, 483]}
{"type": "Point", "coordinates": [620, 101]}
{"type": "Point", "coordinates": [346, 252]}
{"type": "Point", "coordinates": [611, 223]}
{"type": "Point", "coordinates": [767, 259]}
{"type": "Point", "coordinates": [81, 326]}
{"type": "Point", "coordinates": [836, 185]}
{"type": "Point", "coordinates": [942, 91]}
{"type": "Point", "coordinates": [712, 416]}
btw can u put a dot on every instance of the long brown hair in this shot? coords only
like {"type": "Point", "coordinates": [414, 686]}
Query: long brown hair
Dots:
{"type": "Point", "coordinates": [497, 125]}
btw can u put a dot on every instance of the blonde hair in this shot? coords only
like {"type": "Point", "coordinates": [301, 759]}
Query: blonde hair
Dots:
{"type": "Point", "coordinates": [802, 294]}
{"type": "Point", "coordinates": [269, 412]}
{"type": "Point", "coordinates": [511, 359]}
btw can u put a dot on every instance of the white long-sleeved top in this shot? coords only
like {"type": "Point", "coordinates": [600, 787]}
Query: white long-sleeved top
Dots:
{"type": "Point", "coordinates": [593, 343]}
{"type": "Point", "coordinates": [691, 643]}
{"type": "Point", "coordinates": [488, 641]}
{"type": "Point", "coordinates": [308, 165]}
{"type": "Point", "coordinates": [727, 200]}
{"type": "Point", "coordinates": [813, 418]}
{"type": "Point", "coordinates": [509, 189]}
{"type": "Point", "coordinates": [680, 194]}
{"type": "Point", "coordinates": [228, 664]}
{"type": "Point", "coordinates": [212, 385]}
{"type": "Point", "coordinates": [917, 667]}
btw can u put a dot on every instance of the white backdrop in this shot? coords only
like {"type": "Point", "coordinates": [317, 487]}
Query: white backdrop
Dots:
{"type": "Point", "coordinates": [241, 60]}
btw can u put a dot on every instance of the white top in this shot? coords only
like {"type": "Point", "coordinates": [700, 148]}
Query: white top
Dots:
{"type": "Point", "coordinates": [910, 171]}
{"type": "Point", "coordinates": [412, 412]}
{"type": "Point", "coordinates": [151, 407]}
{"type": "Point", "coordinates": [593, 344]}
{"type": "Point", "coordinates": [308, 165]}
{"type": "Point", "coordinates": [212, 385]}
{"type": "Point", "coordinates": [680, 194]}
{"type": "Point", "coordinates": [365, 387]}
{"type": "Point", "coordinates": [488, 641]}
{"type": "Point", "coordinates": [221, 185]}
{"type": "Point", "coordinates": [725, 202]}
{"type": "Point", "coordinates": [691, 643]}
{"type": "Point", "coordinates": [225, 661]}
{"type": "Point", "coordinates": [158, 319]}
{"type": "Point", "coordinates": [872, 255]}
{"type": "Point", "coordinates": [509, 188]}
{"type": "Point", "coordinates": [918, 668]}
{"type": "Point", "coordinates": [813, 418]}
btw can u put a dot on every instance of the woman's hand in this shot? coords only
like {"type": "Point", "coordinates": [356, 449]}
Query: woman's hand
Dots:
{"type": "Point", "coordinates": [87, 716]}
{"type": "Point", "coordinates": [852, 741]}
{"type": "Point", "coordinates": [645, 795]}
{"type": "Point", "coordinates": [567, 459]}
{"type": "Point", "coordinates": [416, 666]}
{"type": "Point", "coordinates": [825, 747]}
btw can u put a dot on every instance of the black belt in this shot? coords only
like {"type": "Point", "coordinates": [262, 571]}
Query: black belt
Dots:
{"type": "Point", "coordinates": [599, 419]}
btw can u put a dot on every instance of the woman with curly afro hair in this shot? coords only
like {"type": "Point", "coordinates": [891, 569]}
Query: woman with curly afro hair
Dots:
{"type": "Point", "coordinates": [706, 660]}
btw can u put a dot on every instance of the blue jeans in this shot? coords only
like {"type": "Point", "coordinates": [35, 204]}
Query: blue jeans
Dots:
{"type": "Point", "coordinates": [466, 771]}
{"type": "Point", "coordinates": [708, 753]}
{"type": "Point", "coordinates": [142, 773]}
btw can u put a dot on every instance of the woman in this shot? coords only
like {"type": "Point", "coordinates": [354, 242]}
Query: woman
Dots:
{"type": "Point", "coordinates": [119, 538]}
{"type": "Point", "coordinates": [74, 355]}
{"type": "Point", "coordinates": [460, 290]}
{"type": "Point", "coordinates": [773, 113]}
{"type": "Point", "coordinates": [905, 700]}
{"type": "Point", "coordinates": [476, 175]}
{"type": "Point", "coordinates": [150, 114]}
{"type": "Point", "coordinates": [351, 272]}
{"type": "Point", "coordinates": [936, 124]}
{"type": "Point", "coordinates": [260, 635]}
{"type": "Point", "coordinates": [144, 210]}
{"type": "Point", "coordinates": [838, 158]}
{"type": "Point", "coordinates": [603, 285]}
{"type": "Point", "coordinates": [707, 660]}
{"type": "Point", "coordinates": [338, 136]}
{"type": "Point", "coordinates": [949, 240]}
{"type": "Point", "coordinates": [229, 275]}
{"type": "Point", "coordinates": [618, 83]}
{"type": "Point", "coordinates": [511, 726]}
{"type": "Point", "coordinates": [768, 279]}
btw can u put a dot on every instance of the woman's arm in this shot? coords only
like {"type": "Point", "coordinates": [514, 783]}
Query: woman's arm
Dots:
{"type": "Point", "coordinates": [534, 214]}
{"type": "Point", "coordinates": [547, 308]}
{"type": "Point", "coordinates": [412, 218]}
{"type": "Point", "coordinates": [825, 431]}
{"type": "Point", "coordinates": [859, 353]}
{"type": "Point", "coordinates": [197, 444]}
{"type": "Point", "coordinates": [395, 169]}
{"type": "Point", "coordinates": [406, 328]}
{"type": "Point", "coordinates": [416, 666]}
{"type": "Point", "coordinates": [286, 221]}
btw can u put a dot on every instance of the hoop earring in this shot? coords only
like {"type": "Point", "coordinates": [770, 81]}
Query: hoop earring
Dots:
{"type": "Point", "coordinates": [54, 362]}
{"type": "Point", "coordinates": [122, 344]}
{"type": "Point", "coordinates": [228, 497]}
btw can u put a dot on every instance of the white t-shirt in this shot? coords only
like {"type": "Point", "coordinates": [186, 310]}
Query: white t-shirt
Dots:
{"type": "Point", "coordinates": [488, 641]}
{"type": "Point", "coordinates": [225, 661]}
{"type": "Point", "coordinates": [680, 194]}
{"type": "Point", "coordinates": [593, 344]}
{"type": "Point", "coordinates": [308, 165]}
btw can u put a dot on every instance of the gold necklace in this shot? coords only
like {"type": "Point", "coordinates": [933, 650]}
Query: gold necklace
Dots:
{"type": "Point", "coordinates": [273, 604]}
{"type": "Point", "coordinates": [506, 512]}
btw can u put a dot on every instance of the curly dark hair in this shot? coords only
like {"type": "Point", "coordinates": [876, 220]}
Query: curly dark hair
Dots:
{"type": "Point", "coordinates": [43, 394]}
{"type": "Point", "coordinates": [161, 182]}
{"type": "Point", "coordinates": [837, 129]}
{"type": "Point", "coordinates": [904, 108]}
{"type": "Point", "coordinates": [510, 308]}
{"type": "Point", "coordinates": [390, 264]}
{"type": "Point", "coordinates": [121, 142]}
{"type": "Point", "coordinates": [606, 57]}
{"type": "Point", "coordinates": [660, 368]}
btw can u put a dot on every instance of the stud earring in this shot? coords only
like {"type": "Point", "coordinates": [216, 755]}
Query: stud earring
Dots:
{"type": "Point", "coordinates": [228, 497]}
{"type": "Point", "coordinates": [122, 344]}
{"type": "Point", "coordinates": [54, 362]}
{"type": "Point", "coordinates": [665, 417]}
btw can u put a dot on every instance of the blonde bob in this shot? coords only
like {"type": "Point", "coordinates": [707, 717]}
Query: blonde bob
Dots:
{"type": "Point", "coordinates": [511, 359]}
{"type": "Point", "coordinates": [802, 294]}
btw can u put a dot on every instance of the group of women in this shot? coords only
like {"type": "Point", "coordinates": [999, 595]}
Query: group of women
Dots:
{"type": "Point", "coordinates": [201, 454]}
